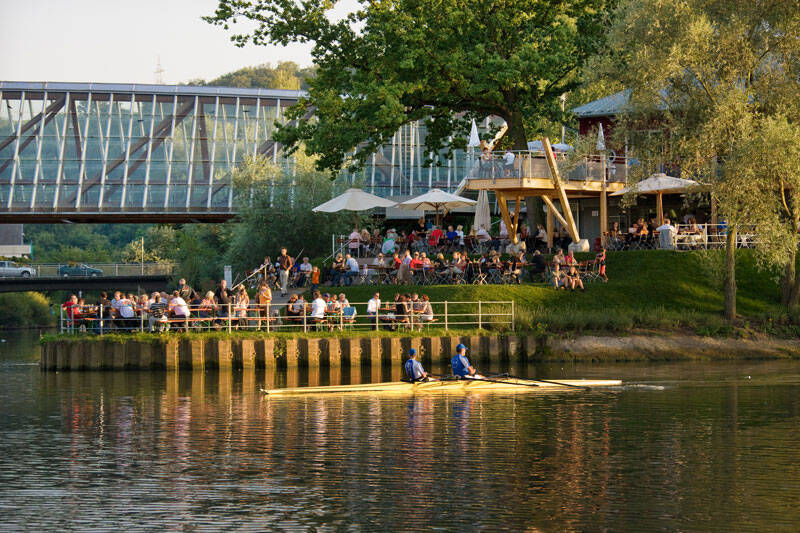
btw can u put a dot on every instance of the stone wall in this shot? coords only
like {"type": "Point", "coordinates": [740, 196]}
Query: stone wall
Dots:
{"type": "Point", "coordinates": [237, 353]}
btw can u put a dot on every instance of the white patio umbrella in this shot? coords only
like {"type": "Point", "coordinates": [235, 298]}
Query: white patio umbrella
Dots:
{"type": "Point", "coordinates": [659, 184]}
{"type": "Point", "coordinates": [482, 215]}
{"type": "Point", "coordinates": [474, 139]}
{"type": "Point", "coordinates": [353, 200]}
{"type": "Point", "coordinates": [435, 200]}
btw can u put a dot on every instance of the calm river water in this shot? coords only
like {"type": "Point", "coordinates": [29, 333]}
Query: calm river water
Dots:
{"type": "Point", "coordinates": [682, 446]}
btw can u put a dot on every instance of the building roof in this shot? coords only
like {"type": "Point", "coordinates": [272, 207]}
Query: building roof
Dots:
{"type": "Point", "coordinates": [604, 107]}
{"type": "Point", "coordinates": [193, 90]}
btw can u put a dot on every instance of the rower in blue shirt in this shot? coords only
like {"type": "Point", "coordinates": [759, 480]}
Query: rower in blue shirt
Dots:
{"type": "Point", "coordinates": [413, 368]}
{"type": "Point", "coordinates": [460, 364]}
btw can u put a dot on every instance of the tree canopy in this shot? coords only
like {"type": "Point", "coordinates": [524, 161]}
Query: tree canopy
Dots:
{"type": "Point", "coordinates": [392, 62]}
{"type": "Point", "coordinates": [716, 75]}
{"type": "Point", "coordinates": [285, 75]}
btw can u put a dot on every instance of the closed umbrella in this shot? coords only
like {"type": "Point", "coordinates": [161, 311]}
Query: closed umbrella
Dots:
{"type": "Point", "coordinates": [435, 200]}
{"type": "Point", "coordinates": [482, 215]}
{"type": "Point", "coordinates": [353, 200]}
{"type": "Point", "coordinates": [659, 184]}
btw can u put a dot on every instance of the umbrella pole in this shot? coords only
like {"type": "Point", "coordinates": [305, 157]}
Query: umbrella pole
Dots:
{"type": "Point", "coordinates": [659, 209]}
{"type": "Point", "coordinates": [355, 215]}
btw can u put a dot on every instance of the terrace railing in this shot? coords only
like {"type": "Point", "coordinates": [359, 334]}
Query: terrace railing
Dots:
{"type": "Point", "coordinates": [54, 270]}
{"type": "Point", "coordinates": [498, 315]}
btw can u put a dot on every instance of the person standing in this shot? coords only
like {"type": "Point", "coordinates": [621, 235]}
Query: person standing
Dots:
{"type": "Point", "coordinates": [285, 264]}
{"type": "Point", "coordinates": [224, 298]}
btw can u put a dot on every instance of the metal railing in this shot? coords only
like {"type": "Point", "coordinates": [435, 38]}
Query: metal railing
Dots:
{"type": "Point", "coordinates": [294, 317]}
{"type": "Point", "coordinates": [532, 164]}
{"type": "Point", "coordinates": [56, 270]}
{"type": "Point", "coordinates": [685, 237]}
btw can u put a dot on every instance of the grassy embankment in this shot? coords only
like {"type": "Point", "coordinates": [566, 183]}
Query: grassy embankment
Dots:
{"type": "Point", "coordinates": [657, 292]}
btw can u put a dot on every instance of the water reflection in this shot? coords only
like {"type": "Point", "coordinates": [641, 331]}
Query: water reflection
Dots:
{"type": "Point", "coordinates": [208, 450]}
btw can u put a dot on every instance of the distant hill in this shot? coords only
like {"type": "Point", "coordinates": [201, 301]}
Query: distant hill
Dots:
{"type": "Point", "coordinates": [286, 75]}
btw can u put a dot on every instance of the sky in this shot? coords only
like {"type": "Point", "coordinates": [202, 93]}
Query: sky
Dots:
{"type": "Point", "coordinates": [122, 42]}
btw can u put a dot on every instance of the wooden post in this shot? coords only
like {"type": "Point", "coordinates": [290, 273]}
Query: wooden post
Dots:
{"type": "Point", "coordinates": [603, 204]}
{"type": "Point", "coordinates": [501, 202]}
{"type": "Point", "coordinates": [562, 195]}
{"type": "Point", "coordinates": [515, 230]}
{"type": "Point", "coordinates": [549, 222]}
{"type": "Point", "coordinates": [552, 207]}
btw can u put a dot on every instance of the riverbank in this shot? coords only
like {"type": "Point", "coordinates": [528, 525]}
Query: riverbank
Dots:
{"type": "Point", "coordinates": [195, 353]}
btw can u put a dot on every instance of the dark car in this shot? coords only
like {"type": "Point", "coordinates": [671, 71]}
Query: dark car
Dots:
{"type": "Point", "coordinates": [66, 271]}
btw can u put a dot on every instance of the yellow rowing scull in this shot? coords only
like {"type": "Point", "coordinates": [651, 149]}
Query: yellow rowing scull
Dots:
{"type": "Point", "coordinates": [462, 385]}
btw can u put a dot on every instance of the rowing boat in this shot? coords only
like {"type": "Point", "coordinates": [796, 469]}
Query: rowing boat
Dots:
{"type": "Point", "coordinates": [503, 384]}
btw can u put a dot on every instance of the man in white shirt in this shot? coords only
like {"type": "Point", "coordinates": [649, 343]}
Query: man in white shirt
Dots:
{"type": "Point", "coordinates": [179, 309]}
{"type": "Point", "coordinates": [352, 269]}
{"type": "Point", "coordinates": [374, 304]}
{"type": "Point", "coordinates": [318, 307]}
{"type": "Point", "coordinates": [666, 235]}
{"type": "Point", "coordinates": [508, 162]}
{"type": "Point", "coordinates": [305, 270]}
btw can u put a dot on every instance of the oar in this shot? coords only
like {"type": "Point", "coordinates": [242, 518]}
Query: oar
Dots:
{"type": "Point", "coordinates": [554, 382]}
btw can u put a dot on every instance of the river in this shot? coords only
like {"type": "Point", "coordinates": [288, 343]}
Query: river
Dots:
{"type": "Point", "coordinates": [681, 446]}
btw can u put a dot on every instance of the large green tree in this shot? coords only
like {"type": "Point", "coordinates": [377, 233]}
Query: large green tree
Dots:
{"type": "Point", "coordinates": [391, 62]}
{"type": "Point", "coordinates": [712, 73]}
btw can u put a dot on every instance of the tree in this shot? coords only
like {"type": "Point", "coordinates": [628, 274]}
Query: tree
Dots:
{"type": "Point", "coordinates": [392, 62]}
{"type": "Point", "coordinates": [277, 212]}
{"type": "Point", "coordinates": [709, 72]}
{"type": "Point", "coordinates": [286, 75]}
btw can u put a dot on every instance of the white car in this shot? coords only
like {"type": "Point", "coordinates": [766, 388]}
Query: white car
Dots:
{"type": "Point", "coordinates": [10, 269]}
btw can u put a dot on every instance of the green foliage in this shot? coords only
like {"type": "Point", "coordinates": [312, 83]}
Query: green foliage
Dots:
{"type": "Point", "coordinates": [286, 75]}
{"type": "Point", "coordinates": [392, 62]}
{"type": "Point", "coordinates": [25, 309]}
{"type": "Point", "coordinates": [58, 243]}
{"type": "Point", "coordinates": [278, 213]}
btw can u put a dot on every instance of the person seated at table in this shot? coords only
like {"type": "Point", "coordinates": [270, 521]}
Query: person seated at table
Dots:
{"type": "Point", "coordinates": [693, 228]}
{"type": "Point", "coordinates": [460, 233]}
{"type": "Point", "coordinates": [426, 310]}
{"type": "Point", "coordinates": [494, 266]}
{"type": "Point", "coordinates": [388, 246]}
{"type": "Point", "coordinates": [179, 310]}
{"type": "Point", "coordinates": [240, 307]}
{"type": "Point", "coordinates": [352, 269]}
{"type": "Point", "coordinates": [305, 269]}
{"type": "Point", "coordinates": [401, 310]}
{"type": "Point", "coordinates": [318, 307]}
{"type": "Point", "coordinates": [379, 261]}
{"type": "Point", "coordinates": [395, 265]}
{"type": "Point", "coordinates": [156, 316]}
{"type": "Point", "coordinates": [573, 278]}
{"type": "Point", "coordinates": [666, 235]}
{"type": "Point", "coordinates": [415, 302]}
{"type": "Point", "coordinates": [415, 262]}
{"type": "Point", "coordinates": [640, 230]}
{"type": "Point", "coordinates": [208, 306]}
{"type": "Point", "coordinates": [651, 225]}
{"type": "Point", "coordinates": [337, 269]}
{"type": "Point", "coordinates": [425, 262]}
{"type": "Point", "coordinates": [559, 258]}
{"type": "Point", "coordinates": [72, 312]}
{"type": "Point", "coordinates": [291, 307]}
{"type": "Point", "coordinates": [435, 238]}
{"type": "Point", "coordinates": [538, 265]}
{"type": "Point", "coordinates": [483, 235]}
{"type": "Point", "coordinates": [440, 265]}
{"type": "Point", "coordinates": [451, 236]}
{"type": "Point", "coordinates": [456, 266]}
{"type": "Point", "coordinates": [559, 277]}
{"type": "Point", "coordinates": [541, 237]}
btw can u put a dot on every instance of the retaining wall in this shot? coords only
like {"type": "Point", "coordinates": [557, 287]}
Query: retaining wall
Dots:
{"type": "Point", "coordinates": [246, 354]}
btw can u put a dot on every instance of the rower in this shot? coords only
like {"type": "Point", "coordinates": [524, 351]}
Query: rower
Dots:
{"type": "Point", "coordinates": [461, 366]}
{"type": "Point", "coordinates": [413, 368]}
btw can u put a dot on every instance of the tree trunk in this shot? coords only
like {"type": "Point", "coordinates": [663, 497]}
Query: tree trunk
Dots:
{"type": "Point", "coordinates": [533, 204]}
{"type": "Point", "coordinates": [788, 280]}
{"type": "Point", "coordinates": [729, 283]}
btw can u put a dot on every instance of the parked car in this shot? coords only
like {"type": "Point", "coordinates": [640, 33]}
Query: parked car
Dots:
{"type": "Point", "coordinates": [12, 269]}
{"type": "Point", "coordinates": [79, 270]}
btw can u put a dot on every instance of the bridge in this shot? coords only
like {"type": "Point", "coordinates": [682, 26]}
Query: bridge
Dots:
{"type": "Point", "coordinates": [95, 276]}
{"type": "Point", "coordinates": [92, 152]}
{"type": "Point", "coordinates": [147, 283]}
